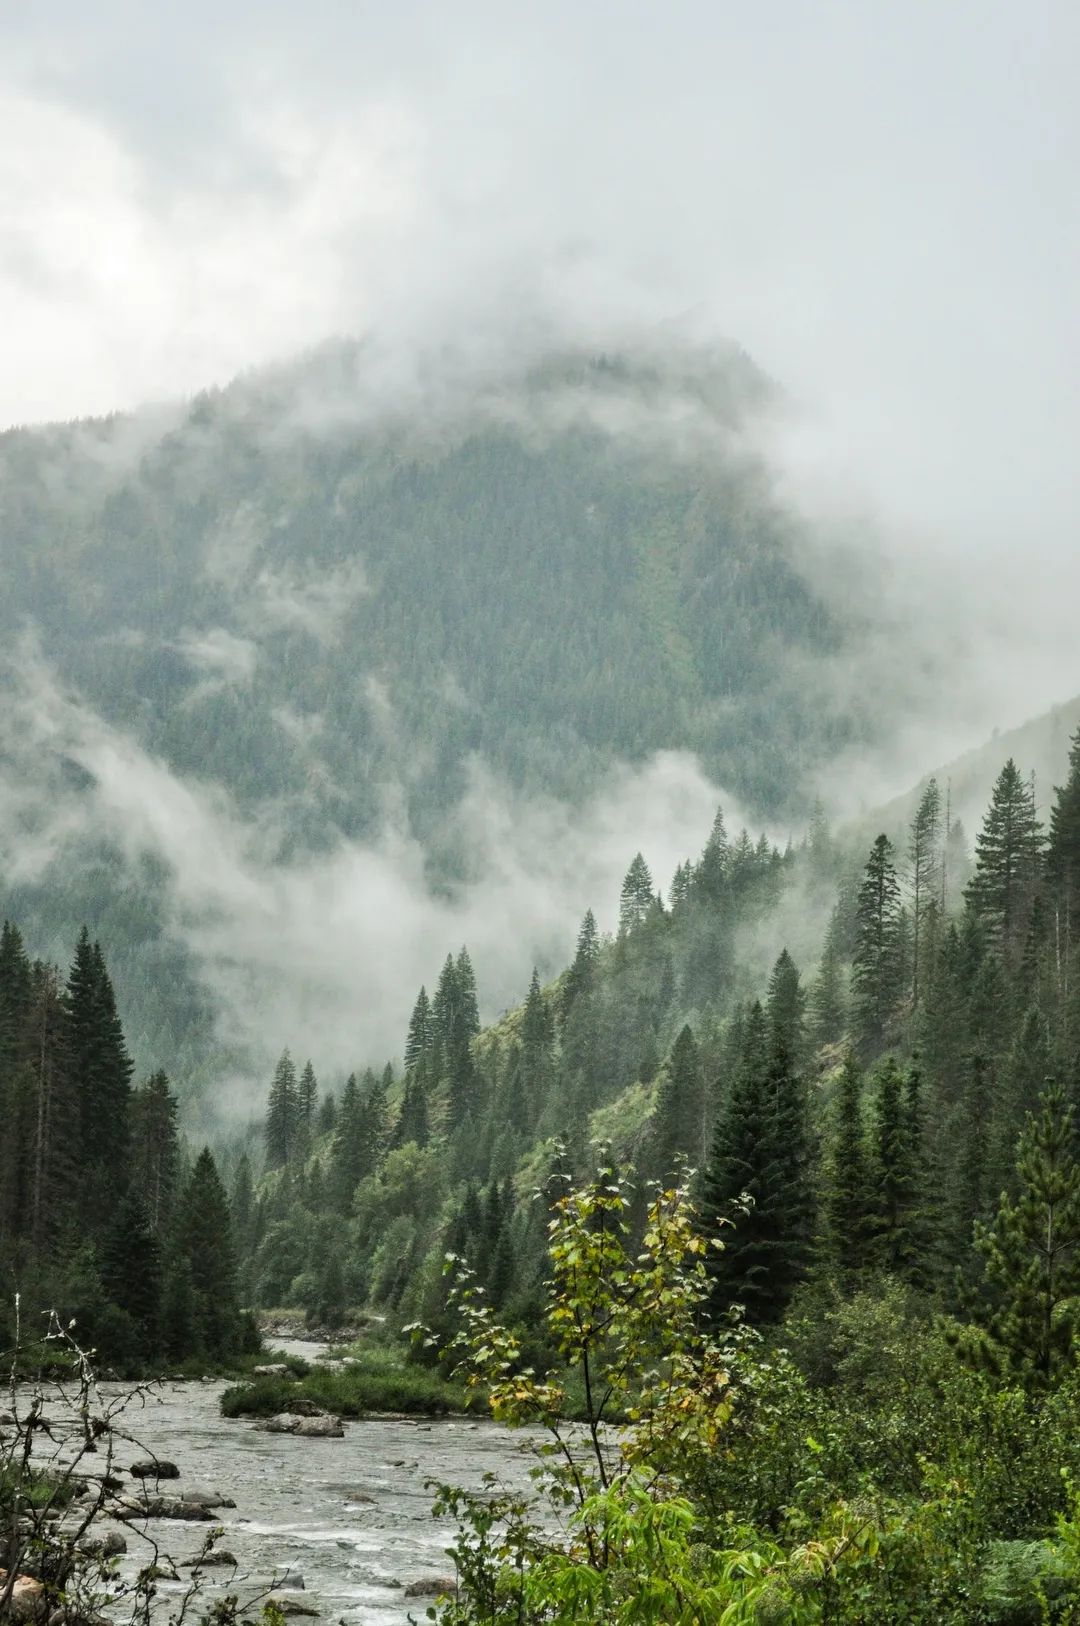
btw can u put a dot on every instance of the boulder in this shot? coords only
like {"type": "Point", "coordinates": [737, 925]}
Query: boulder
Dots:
{"type": "Point", "coordinates": [216, 1558]}
{"type": "Point", "coordinates": [287, 1603]}
{"type": "Point", "coordinates": [274, 1369]}
{"type": "Point", "coordinates": [153, 1469]}
{"type": "Point", "coordinates": [161, 1507]}
{"type": "Point", "coordinates": [431, 1586]}
{"type": "Point", "coordinates": [287, 1579]}
{"type": "Point", "coordinates": [207, 1498]}
{"type": "Point", "coordinates": [28, 1601]}
{"type": "Point", "coordinates": [320, 1427]}
{"type": "Point", "coordinates": [109, 1545]}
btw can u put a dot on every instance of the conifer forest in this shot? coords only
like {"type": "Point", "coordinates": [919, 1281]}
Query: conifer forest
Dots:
{"type": "Point", "coordinates": [539, 814]}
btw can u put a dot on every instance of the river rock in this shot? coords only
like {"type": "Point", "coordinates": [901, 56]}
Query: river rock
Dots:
{"type": "Point", "coordinates": [109, 1545]}
{"type": "Point", "coordinates": [152, 1469]}
{"type": "Point", "coordinates": [207, 1498]}
{"type": "Point", "coordinates": [321, 1427]}
{"type": "Point", "coordinates": [275, 1369]}
{"type": "Point", "coordinates": [216, 1558]}
{"type": "Point", "coordinates": [287, 1603]}
{"type": "Point", "coordinates": [161, 1507]}
{"type": "Point", "coordinates": [28, 1601]}
{"type": "Point", "coordinates": [6, 1419]}
{"type": "Point", "coordinates": [430, 1586]}
{"type": "Point", "coordinates": [287, 1579]}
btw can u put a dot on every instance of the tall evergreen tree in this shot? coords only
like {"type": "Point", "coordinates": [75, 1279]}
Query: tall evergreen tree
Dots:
{"type": "Point", "coordinates": [847, 1193]}
{"type": "Point", "coordinates": [282, 1115]}
{"type": "Point", "coordinates": [828, 1004]}
{"type": "Point", "coordinates": [878, 964]}
{"type": "Point", "coordinates": [924, 871]}
{"type": "Point", "coordinates": [895, 1176]}
{"type": "Point", "coordinates": [636, 895]}
{"type": "Point", "coordinates": [418, 1039]}
{"type": "Point", "coordinates": [155, 1150]}
{"type": "Point", "coordinates": [786, 1008]}
{"type": "Point", "coordinates": [1063, 849]}
{"type": "Point", "coordinates": [204, 1232]}
{"type": "Point", "coordinates": [760, 1150]}
{"type": "Point", "coordinates": [582, 973]}
{"type": "Point", "coordinates": [101, 1074]}
{"type": "Point", "coordinates": [1027, 1309]}
{"type": "Point", "coordinates": [131, 1272]}
{"type": "Point", "coordinates": [1007, 859]}
{"type": "Point", "coordinates": [679, 1119]}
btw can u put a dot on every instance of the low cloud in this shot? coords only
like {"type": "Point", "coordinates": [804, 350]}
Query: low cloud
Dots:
{"type": "Point", "coordinates": [325, 951]}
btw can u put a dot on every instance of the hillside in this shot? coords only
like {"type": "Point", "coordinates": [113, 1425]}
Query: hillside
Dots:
{"type": "Point", "coordinates": [324, 600]}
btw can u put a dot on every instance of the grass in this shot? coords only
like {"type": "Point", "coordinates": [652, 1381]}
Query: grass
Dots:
{"type": "Point", "coordinates": [380, 1380]}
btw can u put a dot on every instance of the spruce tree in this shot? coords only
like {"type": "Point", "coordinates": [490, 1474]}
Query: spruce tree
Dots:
{"type": "Point", "coordinates": [636, 896]}
{"type": "Point", "coordinates": [1027, 1307]}
{"type": "Point", "coordinates": [678, 1125]}
{"type": "Point", "coordinates": [924, 872]}
{"type": "Point", "coordinates": [131, 1272]}
{"type": "Point", "coordinates": [155, 1149]}
{"type": "Point", "coordinates": [204, 1231]}
{"type": "Point", "coordinates": [418, 1038]}
{"type": "Point", "coordinates": [1007, 860]}
{"type": "Point", "coordinates": [582, 973]}
{"type": "Point", "coordinates": [786, 1008]}
{"type": "Point", "coordinates": [894, 1176]}
{"type": "Point", "coordinates": [710, 877]}
{"type": "Point", "coordinates": [828, 1004]}
{"type": "Point", "coordinates": [282, 1115]}
{"type": "Point", "coordinates": [847, 1193]}
{"type": "Point", "coordinates": [100, 1069]}
{"type": "Point", "coordinates": [761, 1151]}
{"type": "Point", "coordinates": [307, 1097]}
{"type": "Point", "coordinates": [878, 962]}
{"type": "Point", "coordinates": [1063, 849]}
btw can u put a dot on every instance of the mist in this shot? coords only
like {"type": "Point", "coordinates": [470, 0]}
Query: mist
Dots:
{"type": "Point", "coordinates": [325, 952]}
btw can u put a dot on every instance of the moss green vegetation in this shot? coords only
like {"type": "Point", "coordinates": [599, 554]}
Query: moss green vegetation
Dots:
{"type": "Point", "coordinates": [374, 1381]}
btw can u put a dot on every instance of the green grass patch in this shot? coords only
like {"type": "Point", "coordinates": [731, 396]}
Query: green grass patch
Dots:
{"type": "Point", "coordinates": [378, 1381]}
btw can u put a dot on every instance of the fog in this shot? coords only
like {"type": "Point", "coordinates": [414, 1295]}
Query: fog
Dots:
{"type": "Point", "coordinates": [326, 953]}
{"type": "Point", "coordinates": [879, 205]}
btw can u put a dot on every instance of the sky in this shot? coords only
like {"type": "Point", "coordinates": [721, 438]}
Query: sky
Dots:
{"type": "Point", "coordinates": [878, 202]}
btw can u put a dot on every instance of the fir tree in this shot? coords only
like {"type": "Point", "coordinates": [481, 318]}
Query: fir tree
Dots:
{"type": "Point", "coordinates": [1007, 859]}
{"type": "Point", "coordinates": [878, 962]}
{"type": "Point", "coordinates": [204, 1233]}
{"type": "Point", "coordinates": [155, 1149]}
{"type": "Point", "coordinates": [1027, 1311]}
{"type": "Point", "coordinates": [710, 876]}
{"type": "Point", "coordinates": [1063, 850]}
{"type": "Point", "coordinates": [418, 1038]}
{"type": "Point", "coordinates": [131, 1272]}
{"type": "Point", "coordinates": [678, 1123]}
{"type": "Point", "coordinates": [786, 1007]}
{"type": "Point", "coordinates": [828, 1006]}
{"type": "Point", "coordinates": [924, 861]}
{"type": "Point", "coordinates": [100, 1069]}
{"type": "Point", "coordinates": [582, 973]}
{"type": "Point", "coordinates": [636, 896]}
{"type": "Point", "coordinates": [847, 1199]}
{"type": "Point", "coordinates": [282, 1115]}
{"type": "Point", "coordinates": [894, 1176]}
{"type": "Point", "coordinates": [307, 1098]}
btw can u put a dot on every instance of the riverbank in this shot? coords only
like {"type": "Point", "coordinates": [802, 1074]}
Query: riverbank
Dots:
{"type": "Point", "coordinates": [373, 1380]}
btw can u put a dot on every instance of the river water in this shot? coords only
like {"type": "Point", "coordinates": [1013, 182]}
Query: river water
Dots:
{"type": "Point", "coordinates": [353, 1515]}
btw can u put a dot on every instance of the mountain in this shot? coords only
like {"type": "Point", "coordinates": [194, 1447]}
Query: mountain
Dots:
{"type": "Point", "coordinates": [324, 595]}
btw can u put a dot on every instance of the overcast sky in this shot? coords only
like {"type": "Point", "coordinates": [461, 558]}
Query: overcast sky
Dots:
{"type": "Point", "coordinates": [879, 202]}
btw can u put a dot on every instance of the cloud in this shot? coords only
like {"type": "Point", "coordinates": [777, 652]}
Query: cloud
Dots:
{"type": "Point", "coordinates": [325, 951]}
{"type": "Point", "coordinates": [223, 659]}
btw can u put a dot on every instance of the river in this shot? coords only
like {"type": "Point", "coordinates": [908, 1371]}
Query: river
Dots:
{"type": "Point", "coordinates": [352, 1515]}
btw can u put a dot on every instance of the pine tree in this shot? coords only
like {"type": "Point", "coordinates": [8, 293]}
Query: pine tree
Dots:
{"type": "Point", "coordinates": [100, 1069]}
{"type": "Point", "coordinates": [418, 1038]}
{"type": "Point", "coordinates": [894, 1175]}
{"type": "Point", "coordinates": [678, 1125]}
{"type": "Point", "coordinates": [131, 1272]}
{"type": "Point", "coordinates": [828, 1005]}
{"type": "Point", "coordinates": [412, 1124]}
{"type": "Point", "coordinates": [760, 1150]}
{"type": "Point", "coordinates": [1031, 1255]}
{"type": "Point", "coordinates": [155, 1149]}
{"type": "Point", "coordinates": [536, 1067]}
{"type": "Point", "coordinates": [847, 1195]}
{"type": "Point", "coordinates": [307, 1097]}
{"type": "Point", "coordinates": [1007, 861]}
{"type": "Point", "coordinates": [878, 963]}
{"type": "Point", "coordinates": [786, 1007]}
{"type": "Point", "coordinates": [347, 1154]}
{"type": "Point", "coordinates": [710, 877]}
{"type": "Point", "coordinates": [282, 1115]}
{"type": "Point", "coordinates": [636, 896]}
{"type": "Point", "coordinates": [1063, 850]}
{"type": "Point", "coordinates": [582, 973]}
{"type": "Point", "coordinates": [924, 861]}
{"type": "Point", "coordinates": [204, 1232]}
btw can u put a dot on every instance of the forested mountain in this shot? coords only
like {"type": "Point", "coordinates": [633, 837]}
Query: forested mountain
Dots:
{"type": "Point", "coordinates": [326, 600]}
